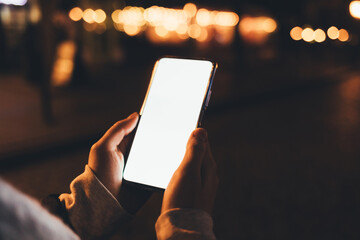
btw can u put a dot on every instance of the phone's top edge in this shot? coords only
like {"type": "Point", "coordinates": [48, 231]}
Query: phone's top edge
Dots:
{"type": "Point", "coordinates": [215, 64]}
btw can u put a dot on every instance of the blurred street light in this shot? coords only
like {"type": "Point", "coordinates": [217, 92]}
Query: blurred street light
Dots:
{"type": "Point", "coordinates": [76, 14]}
{"type": "Point", "coordinates": [255, 30]}
{"type": "Point", "coordinates": [89, 15]}
{"type": "Point", "coordinates": [319, 35]}
{"type": "Point", "coordinates": [295, 33]}
{"type": "Point", "coordinates": [190, 9]}
{"type": "Point", "coordinates": [100, 16]}
{"type": "Point", "coordinates": [354, 9]}
{"type": "Point", "coordinates": [169, 25]}
{"type": "Point", "coordinates": [343, 35]}
{"type": "Point", "coordinates": [308, 35]}
{"type": "Point", "coordinates": [333, 32]}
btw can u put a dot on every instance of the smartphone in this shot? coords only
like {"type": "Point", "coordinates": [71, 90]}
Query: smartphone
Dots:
{"type": "Point", "coordinates": [177, 96]}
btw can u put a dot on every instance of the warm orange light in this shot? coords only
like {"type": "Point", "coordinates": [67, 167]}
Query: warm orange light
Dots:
{"type": "Point", "coordinates": [132, 16]}
{"type": "Point", "coordinates": [161, 31]}
{"type": "Point", "coordinates": [194, 31]}
{"type": "Point", "coordinates": [203, 35]}
{"type": "Point", "coordinates": [308, 35]}
{"type": "Point", "coordinates": [89, 15]}
{"type": "Point", "coordinates": [247, 24]}
{"type": "Point", "coordinates": [319, 35]}
{"type": "Point", "coordinates": [115, 16]}
{"type": "Point", "coordinates": [343, 35]}
{"type": "Point", "coordinates": [183, 36]}
{"type": "Point", "coordinates": [173, 25]}
{"type": "Point", "coordinates": [226, 19]}
{"type": "Point", "coordinates": [62, 71]}
{"type": "Point", "coordinates": [119, 27]}
{"type": "Point", "coordinates": [182, 29]}
{"type": "Point", "coordinates": [170, 21]}
{"type": "Point", "coordinates": [224, 35]}
{"type": "Point", "coordinates": [333, 33]}
{"type": "Point", "coordinates": [154, 15]}
{"type": "Point", "coordinates": [255, 30]}
{"type": "Point", "coordinates": [269, 25]}
{"type": "Point", "coordinates": [190, 9]}
{"type": "Point", "coordinates": [64, 63]}
{"type": "Point", "coordinates": [203, 17]}
{"type": "Point", "coordinates": [354, 9]}
{"type": "Point", "coordinates": [89, 26]}
{"type": "Point", "coordinates": [100, 16]}
{"type": "Point", "coordinates": [131, 30]}
{"type": "Point", "coordinates": [76, 14]}
{"type": "Point", "coordinates": [295, 33]}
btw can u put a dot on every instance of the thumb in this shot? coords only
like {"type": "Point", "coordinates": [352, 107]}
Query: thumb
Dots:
{"type": "Point", "coordinates": [195, 148]}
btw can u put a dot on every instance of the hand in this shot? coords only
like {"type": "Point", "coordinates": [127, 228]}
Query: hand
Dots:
{"type": "Point", "coordinates": [195, 182]}
{"type": "Point", "coordinates": [106, 157]}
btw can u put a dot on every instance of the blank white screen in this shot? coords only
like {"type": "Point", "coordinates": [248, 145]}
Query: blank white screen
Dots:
{"type": "Point", "coordinates": [170, 114]}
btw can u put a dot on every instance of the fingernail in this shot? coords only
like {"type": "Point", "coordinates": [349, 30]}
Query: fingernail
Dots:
{"type": "Point", "coordinates": [132, 115]}
{"type": "Point", "coordinates": [201, 135]}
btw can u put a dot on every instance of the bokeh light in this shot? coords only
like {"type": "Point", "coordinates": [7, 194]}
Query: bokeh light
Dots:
{"type": "Point", "coordinates": [100, 16]}
{"type": "Point", "coordinates": [343, 35]}
{"type": "Point", "coordinates": [182, 29]}
{"type": "Point", "coordinates": [115, 16]}
{"type": "Point", "coordinates": [354, 9]}
{"type": "Point", "coordinates": [255, 30]}
{"type": "Point", "coordinates": [308, 35]}
{"type": "Point", "coordinates": [269, 25]}
{"type": "Point", "coordinates": [76, 14]}
{"type": "Point", "coordinates": [295, 33]}
{"type": "Point", "coordinates": [203, 35]}
{"type": "Point", "coordinates": [63, 63]}
{"type": "Point", "coordinates": [170, 25]}
{"type": "Point", "coordinates": [333, 32]}
{"type": "Point", "coordinates": [190, 9]}
{"type": "Point", "coordinates": [89, 15]}
{"type": "Point", "coordinates": [131, 30]}
{"type": "Point", "coordinates": [161, 31]}
{"type": "Point", "coordinates": [132, 16]}
{"type": "Point", "coordinates": [226, 19]}
{"type": "Point", "coordinates": [203, 17]}
{"type": "Point", "coordinates": [319, 35]}
{"type": "Point", "coordinates": [194, 31]}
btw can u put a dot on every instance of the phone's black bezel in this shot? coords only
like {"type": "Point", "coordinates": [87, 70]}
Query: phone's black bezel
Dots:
{"type": "Point", "coordinates": [203, 108]}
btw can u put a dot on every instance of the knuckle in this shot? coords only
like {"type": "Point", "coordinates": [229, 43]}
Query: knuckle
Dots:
{"type": "Point", "coordinates": [97, 147]}
{"type": "Point", "coordinates": [187, 170]}
{"type": "Point", "coordinates": [197, 147]}
{"type": "Point", "coordinates": [94, 147]}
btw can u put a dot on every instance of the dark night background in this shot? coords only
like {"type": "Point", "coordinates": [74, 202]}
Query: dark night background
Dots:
{"type": "Point", "coordinates": [283, 120]}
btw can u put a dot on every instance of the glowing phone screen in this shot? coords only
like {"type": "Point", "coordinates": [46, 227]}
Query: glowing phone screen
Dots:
{"type": "Point", "coordinates": [170, 113]}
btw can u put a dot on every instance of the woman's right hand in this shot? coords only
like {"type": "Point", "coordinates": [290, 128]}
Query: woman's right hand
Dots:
{"type": "Point", "coordinates": [194, 183]}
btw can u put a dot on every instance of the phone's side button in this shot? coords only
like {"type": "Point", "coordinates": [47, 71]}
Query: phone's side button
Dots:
{"type": "Point", "coordinates": [208, 99]}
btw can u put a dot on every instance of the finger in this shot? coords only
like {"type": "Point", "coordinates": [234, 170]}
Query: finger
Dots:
{"type": "Point", "coordinates": [113, 137]}
{"type": "Point", "coordinates": [123, 147]}
{"type": "Point", "coordinates": [195, 149]}
{"type": "Point", "coordinates": [209, 170]}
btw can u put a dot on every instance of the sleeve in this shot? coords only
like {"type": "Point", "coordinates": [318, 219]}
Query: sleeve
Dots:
{"type": "Point", "coordinates": [54, 206]}
{"type": "Point", "coordinates": [187, 224]}
{"type": "Point", "coordinates": [92, 210]}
